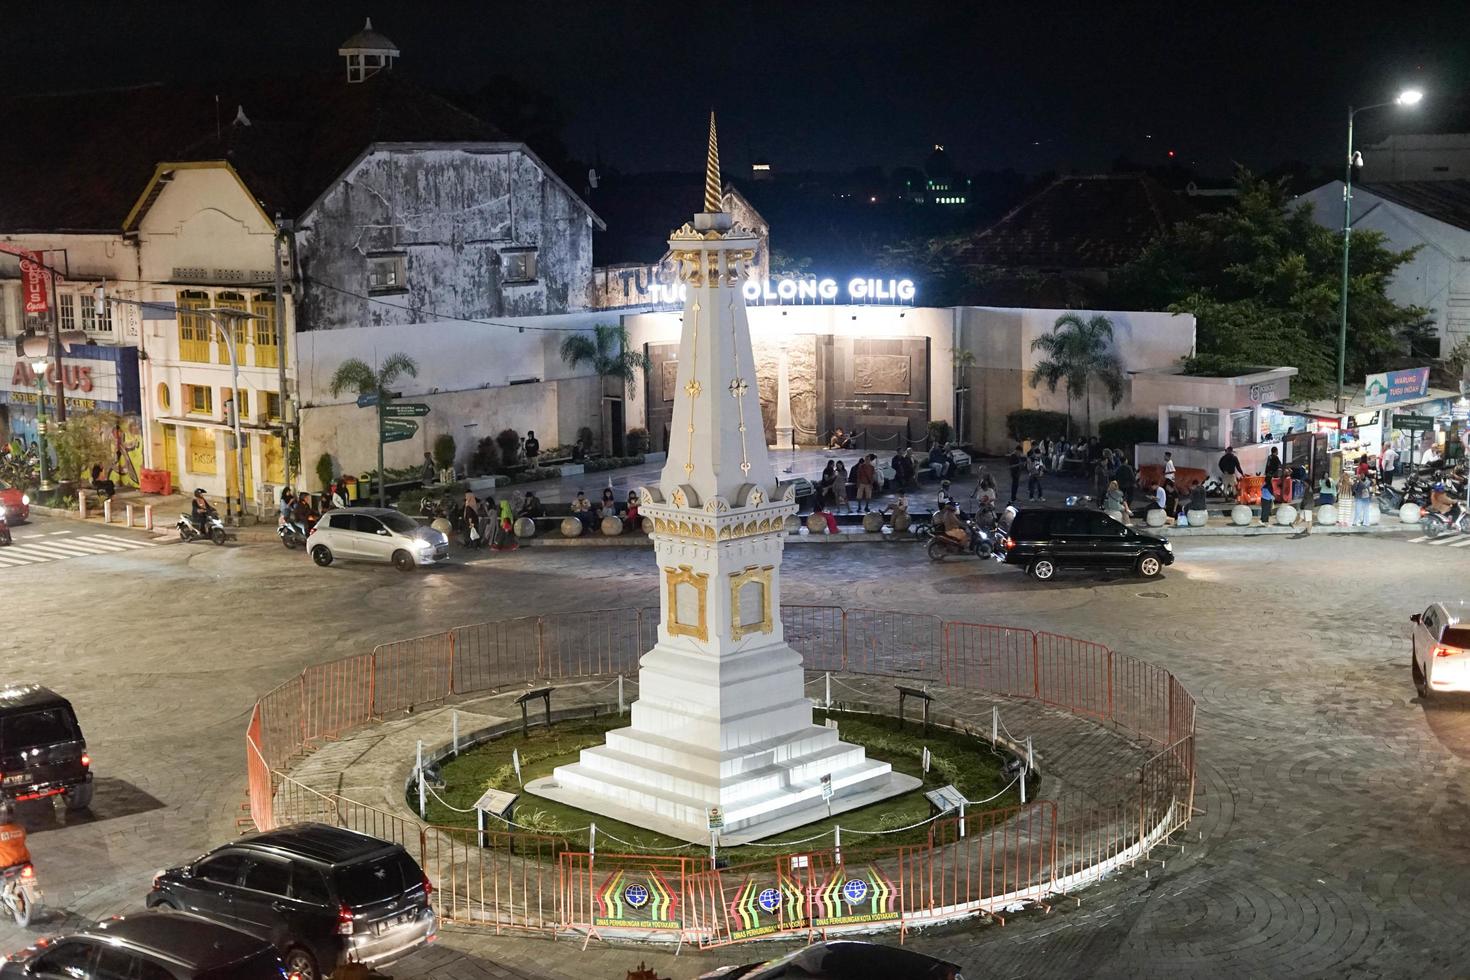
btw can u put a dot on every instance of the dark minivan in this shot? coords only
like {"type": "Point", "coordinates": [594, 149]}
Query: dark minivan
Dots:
{"type": "Point", "coordinates": [1044, 540]}
{"type": "Point", "coordinates": [42, 752]}
{"type": "Point", "coordinates": [149, 946]}
{"type": "Point", "coordinates": [321, 895]}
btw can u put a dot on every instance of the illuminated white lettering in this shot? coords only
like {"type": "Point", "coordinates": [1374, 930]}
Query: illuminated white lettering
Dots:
{"type": "Point", "coordinates": [827, 289]}
{"type": "Point", "coordinates": [905, 289]}
{"type": "Point", "coordinates": [857, 289]}
{"type": "Point", "coordinates": [751, 289]}
{"type": "Point", "coordinates": [807, 289]}
{"type": "Point", "coordinates": [786, 289]}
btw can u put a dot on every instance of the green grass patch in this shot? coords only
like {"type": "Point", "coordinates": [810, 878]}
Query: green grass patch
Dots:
{"type": "Point", "coordinates": [965, 761]}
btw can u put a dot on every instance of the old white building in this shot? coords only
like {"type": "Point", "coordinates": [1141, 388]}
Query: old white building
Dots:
{"type": "Point", "coordinates": [393, 208]}
{"type": "Point", "coordinates": [1430, 215]}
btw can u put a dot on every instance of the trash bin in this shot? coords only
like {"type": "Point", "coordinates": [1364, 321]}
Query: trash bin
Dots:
{"type": "Point", "coordinates": [349, 487]}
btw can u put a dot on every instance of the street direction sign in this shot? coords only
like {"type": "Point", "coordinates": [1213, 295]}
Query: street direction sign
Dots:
{"type": "Point", "coordinates": [408, 410]}
{"type": "Point", "coordinates": [1402, 421]}
{"type": "Point", "coordinates": [397, 430]}
{"type": "Point", "coordinates": [368, 400]}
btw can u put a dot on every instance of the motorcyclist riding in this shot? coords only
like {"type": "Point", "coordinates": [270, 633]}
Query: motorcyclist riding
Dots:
{"type": "Point", "coordinates": [944, 497]}
{"type": "Point", "coordinates": [1441, 502]}
{"type": "Point", "coordinates": [13, 850]}
{"type": "Point", "coordinates": [950, 525]}
{"type": "Point", "coordinates": [200, 511]}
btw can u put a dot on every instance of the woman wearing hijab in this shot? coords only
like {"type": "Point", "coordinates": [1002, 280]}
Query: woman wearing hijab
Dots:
{"type": "Point", "coordinates": [472, 531]}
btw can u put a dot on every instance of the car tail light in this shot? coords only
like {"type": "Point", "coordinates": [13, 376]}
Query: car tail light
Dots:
{"type": "Point", "coordinates": [344, 920]}
{"type": "Point", "coordinates": [428, 886]}
{"type": "Point", "coordinates": [1443, 651]}
{"type": "Point", "coordinates": [86, 760]}
{"type": "Point", "coordinates": [1010, 543]}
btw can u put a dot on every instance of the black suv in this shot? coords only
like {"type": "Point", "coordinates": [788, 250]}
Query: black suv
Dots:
{"type": "Point", "coordinates": [42, 752]}
{"type": "Point", "coordinates": [150, 946]}
{"type": "Point", "coordinates": [1043, 540]}
{"type": "Point", "coordinates": [321, 895]}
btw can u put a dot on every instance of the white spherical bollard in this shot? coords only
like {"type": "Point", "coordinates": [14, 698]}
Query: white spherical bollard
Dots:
{"type": "Point", "coordinates": [816, 523]}
{"type": "Point", "coordinates": [1116, 515]}
{"type": "Point", "coordinates": [1410, 514]}
{"type": "Point", "coordinates": [803, 531]}
{"type": "Point", "coordinates": [793, 523]}
{"type": "Point", "coordinates": [1156, 517]}
{"type": "Point", "coordinates": [612, 526]}
{"type": "Point", "coordinates": [525, 528]}
{"type": "Point", "coordinates": [872, 522]}
{"type": "Point", "coordinates": [1241, 515]}
{"type": "Point", "coordinates": [1327, 514]}
{"type": "Point", "coordinates": [647, 525]}
{"type": "Point", "coordinates": [1198, 518]}
{"type": "Point", "coordinates": [1285, 515]}
{"type": "Point", "coordinates": [571, 527]}
{"type": "Point", "coordinates": [442, 525]}
{"type": "Point", "coordinates": [1375, 516]}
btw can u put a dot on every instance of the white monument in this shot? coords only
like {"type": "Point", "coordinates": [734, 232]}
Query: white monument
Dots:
{"type": "Point", "coordinates": [722, 720]}
{"type": "Point", "coordinates": [785, 431]}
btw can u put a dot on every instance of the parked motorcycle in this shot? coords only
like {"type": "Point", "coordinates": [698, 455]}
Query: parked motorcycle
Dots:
{"type": "Point", "coordinates": [292, 534]}
{"type": "Point", "coordinates": [215, 529]}
{"type": "Point", "coordinates": [21, 894]}
{"type": "Point", "coordinates": [981, 544]}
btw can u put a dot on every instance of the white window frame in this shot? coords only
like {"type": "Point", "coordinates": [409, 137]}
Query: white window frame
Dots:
{"type": "Point", "coordinates": [395, 265]}
{"type": "Point", "coordinates": [94, 319]}
{"type": "Point", "coordinates": [66, 306]}
{"type": "Point", "coordinates": [520, 266]}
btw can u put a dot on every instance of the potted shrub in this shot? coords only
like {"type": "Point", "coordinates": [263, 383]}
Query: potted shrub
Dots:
{"type": "Point", "coordinates": [324, 470]}
{"type": "Point", "coordinates": [508, 441]}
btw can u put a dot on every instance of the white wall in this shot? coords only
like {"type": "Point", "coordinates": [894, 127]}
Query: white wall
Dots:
{"type": "Point", "coordinates": [465, 375]}
{"type": "Point", "coordinates": [1001, 338]}
{"type": "Point", "coordinates": [1437, 278]}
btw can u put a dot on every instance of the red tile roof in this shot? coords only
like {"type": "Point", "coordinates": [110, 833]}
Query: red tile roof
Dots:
{"type": "Point", "coordinates": [1080, 222]}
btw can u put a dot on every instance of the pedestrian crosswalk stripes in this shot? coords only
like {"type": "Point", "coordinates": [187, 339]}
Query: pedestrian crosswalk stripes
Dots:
{"type": "Point", "coordinates": [1450, 540]}
{"type": "Point", "coordinates": [39, 550]}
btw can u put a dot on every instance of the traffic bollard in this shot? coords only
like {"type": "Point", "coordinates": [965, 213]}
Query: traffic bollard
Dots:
{"type": "Point", "coordinates": [107, 510]}
{"type": "Point", "coordinates": [82, 504]}
{"type": "Point", "coordinates": [147, 517]}
{"type": "Point", "coordinates": [128, 513]}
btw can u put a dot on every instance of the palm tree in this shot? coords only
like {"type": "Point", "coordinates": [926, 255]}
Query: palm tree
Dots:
{"type": "Point", "coordinates": [1077, 352]}
{"type": "Point", "coordinates": [607, 352]}
{"type": "Point", "coordinates": [964, 360]}
{"type": "Point", "coordinates": [357, 375]}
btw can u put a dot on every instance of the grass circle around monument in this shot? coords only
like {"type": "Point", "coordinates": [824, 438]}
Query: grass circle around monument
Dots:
{"type": "Point", "coordinates": [964, 761]}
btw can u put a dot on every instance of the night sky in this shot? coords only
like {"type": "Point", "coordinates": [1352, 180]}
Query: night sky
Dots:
{"type": "Point", "coordinates": [833, 86]}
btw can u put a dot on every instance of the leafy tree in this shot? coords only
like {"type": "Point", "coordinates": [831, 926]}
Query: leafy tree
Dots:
{"type": "Point", "coordinates": [357, 375]}
{"type": "Point", "coordinates": [444, 450]}
{"type": "Point", "coordinates": [1263, 279]}
{"type": "Point", "coordinates": [1076, 353]}
{"type": "Point", "coordinates": [607, 352]}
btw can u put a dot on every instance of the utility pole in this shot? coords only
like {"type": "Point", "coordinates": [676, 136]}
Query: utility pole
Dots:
{"type": "Point", "coordinates": [287, 416]}
{"type": "Point", "coordinates": [56, 348]}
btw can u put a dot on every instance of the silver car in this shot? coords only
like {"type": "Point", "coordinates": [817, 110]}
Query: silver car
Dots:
{"type": "Point", "coordinates": [375, 534]}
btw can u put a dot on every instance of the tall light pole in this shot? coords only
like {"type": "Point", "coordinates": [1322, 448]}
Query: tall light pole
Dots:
{"type": "Point", "coordinates": [223, 319]}
{"type": "Point", "coordinates": [1408, 97]}
{"type": "Point", "coordinates": [39, 365]}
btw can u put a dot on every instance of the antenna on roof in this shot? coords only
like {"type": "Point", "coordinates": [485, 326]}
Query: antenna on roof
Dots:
{"type": "Point", "coordinates": [216, 117]}
{"type": "Point", "coordinates": [240, 118]}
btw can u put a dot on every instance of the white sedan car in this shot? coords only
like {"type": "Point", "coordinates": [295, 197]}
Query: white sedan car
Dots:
{"type": "Point", "coordinates": [1441, 649]}
{"type": "Point", "coordinates": [378, 534]}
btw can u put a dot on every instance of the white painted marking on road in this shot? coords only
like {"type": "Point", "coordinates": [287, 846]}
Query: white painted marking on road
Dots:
{"type": "Point", "coordinates": [1422, 537]}
{"type": "Point", "coordinates": [108, 546]}
{"type": "Point", "coordinates": [53, 549]}
{"type": "Point", "coordinates": [1442, 539]}
{"type": "Point", "coordinates": [122, 542]}
{"type": "Point", "coordinates": [12, 562]}
{"type": "Point", "coordinates": [1463, 542]}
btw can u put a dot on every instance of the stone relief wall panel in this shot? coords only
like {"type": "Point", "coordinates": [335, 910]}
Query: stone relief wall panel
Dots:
{"type": "Point", "coordinates": [882, 374]}
{"type": "Point", "coordinates": [802, 362]}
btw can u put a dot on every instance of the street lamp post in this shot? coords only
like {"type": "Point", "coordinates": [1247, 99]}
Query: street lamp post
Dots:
{"type": "Point", "coordinates": [38, 369]}
{"type": "Point", "coordinates": [1408, 97]}
{"type": "Point", "coordinates": [221, 317]}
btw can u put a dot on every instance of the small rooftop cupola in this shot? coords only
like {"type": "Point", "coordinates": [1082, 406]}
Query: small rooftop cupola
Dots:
{"type": "Point", "coordinates": [367, 53]}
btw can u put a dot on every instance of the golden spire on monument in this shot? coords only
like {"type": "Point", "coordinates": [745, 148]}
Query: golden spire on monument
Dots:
{"type": "Point", "coordinates": [712, 194]}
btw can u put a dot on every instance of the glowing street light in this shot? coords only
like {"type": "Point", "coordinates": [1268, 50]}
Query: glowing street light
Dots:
{"type": "Point", "coordinates": [1408, 97]}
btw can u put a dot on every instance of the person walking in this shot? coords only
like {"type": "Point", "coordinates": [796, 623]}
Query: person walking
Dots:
{"type": "Point", "coordinates": [863, 475]}
{"type": "Point", "coordinates": [1273, 465]}
{"type": "Point", "coordinates": [1388, 466]}
{"type": "Point", "coordinates": [472, 533]}
{"type": "Point", "coordinates": [1170, 470]}
{"type": "Point", "coordinates": [1127, 480]}
{"type": "Point", "coordinates": [1268, 498]}
{"type": "Point", "coordinates": [1016, 461]}
{"type": "Point", "coordinates": [839, 487]}
{"type": "Point", "coordinates": [1101, 477]}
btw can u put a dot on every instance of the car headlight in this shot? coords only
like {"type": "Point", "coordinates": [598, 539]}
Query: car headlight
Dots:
{"type": "Point", "coordinates": [1169, 547]}
{"type": "Point", "coordinates": [422, 545]}
{"type": "Point", "coordinates": [25, 500]}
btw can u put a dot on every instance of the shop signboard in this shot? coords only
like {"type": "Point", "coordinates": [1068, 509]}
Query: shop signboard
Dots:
{"type": "Point", "coordinates": [1396, 386]}
{"type": "Point", "coordinates": [1419, 422]}
{"type": "Point", "coordinates": [93, 378]}
{"type": "Point", "coordinates": [33, 278]}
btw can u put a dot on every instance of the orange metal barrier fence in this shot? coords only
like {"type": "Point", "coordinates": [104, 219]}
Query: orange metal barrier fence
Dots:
{"type": "Point", "coordinates": [529, 882]}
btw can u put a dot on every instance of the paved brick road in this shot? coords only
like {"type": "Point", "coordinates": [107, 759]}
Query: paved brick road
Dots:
{"type": "Point", "coordinates": [1333, 838]}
